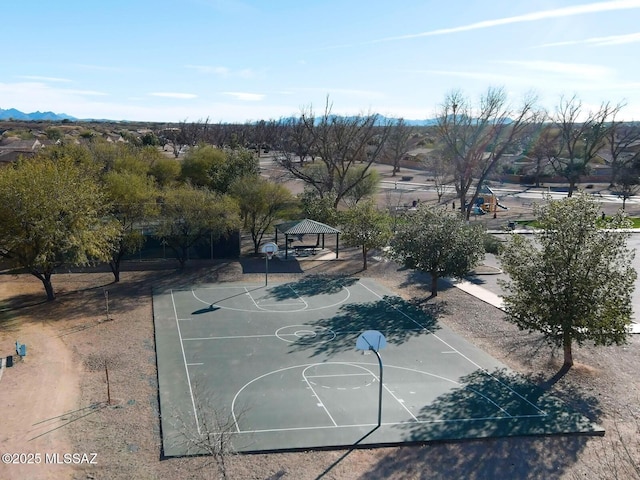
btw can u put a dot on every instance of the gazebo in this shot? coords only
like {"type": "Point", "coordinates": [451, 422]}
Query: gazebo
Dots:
{"type": "Point", "coordinates": [299, 228]}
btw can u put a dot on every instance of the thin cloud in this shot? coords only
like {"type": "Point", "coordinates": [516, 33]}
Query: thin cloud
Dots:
{"type": "Point", "coordinates": [245, 97]}
{"type": "Point", "coordinates": [91, 93]}
{"type": "Point", "coordinates": [528, 17]}
{"type": "Point", "coordinates": [580, 70]}
{"type": "Point", "coordinates": [181, 96]}
{"type": "Point", "coordinates": [222, 71]}
{"type": "Point", "coordinates": [598, 41]}
{"type": "Point", "coordinates": [45, 79]}
{"type": "Point", "coordinates": [343, 91]}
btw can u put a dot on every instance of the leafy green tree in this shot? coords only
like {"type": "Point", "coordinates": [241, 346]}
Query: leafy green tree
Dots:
{"type": "Point", "coordinates": [363, 225]}
{"type": "Point", "coordinates": [150, 139]}
{"type": "Point", "coordinates": [574, 282]}
{"type": "Point", "coordinates": [166, 171]}
{"type": "Point", "coordinates": [190, 215]}
{"type": "Point", "coordinates": [78, 154]}
{"type": "Point", "coordinates": [366, 187]}
{"type": "Point", "coordinates": [318, 208]}
{"type": "Point", "coordinates": [439, 242]}
{"type": "Point", "coordinates": [217, 169]}
{"type": "Point", "coordinates": [53, 213]}
{"type": "Point", "coordinates": [261, 203]}
{"type": "Point", "coordinates": [54, 133]}
{"type": "Point", "coordinates": [133, 202]}
{"type": "Point", "coordinates": [204, 166]}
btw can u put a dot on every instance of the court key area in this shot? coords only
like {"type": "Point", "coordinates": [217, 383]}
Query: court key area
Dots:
{"type": "Point", "coordinates": [275, 367]}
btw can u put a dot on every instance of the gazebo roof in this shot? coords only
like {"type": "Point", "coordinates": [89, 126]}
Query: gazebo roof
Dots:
{"type": "Point", "coordinates": [306, 226]}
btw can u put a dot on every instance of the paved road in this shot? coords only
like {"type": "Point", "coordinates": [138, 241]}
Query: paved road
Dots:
{"type": "Point", "coordinates": [520, 192]}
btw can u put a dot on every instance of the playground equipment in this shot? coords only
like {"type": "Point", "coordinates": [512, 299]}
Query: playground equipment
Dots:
{"type": "Point", "coordinates": [487, 202]}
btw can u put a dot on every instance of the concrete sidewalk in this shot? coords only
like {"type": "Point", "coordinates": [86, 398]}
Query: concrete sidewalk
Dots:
{"type": "Point", "coordinates": [494, 299]}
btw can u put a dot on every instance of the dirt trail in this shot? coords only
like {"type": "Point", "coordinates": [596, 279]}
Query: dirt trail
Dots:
{"type": "Point", "coordinates": [36, 396]}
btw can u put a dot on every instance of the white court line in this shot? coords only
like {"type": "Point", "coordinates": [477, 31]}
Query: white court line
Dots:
{"type": "Point", "coordinates": [184, 359]}
{"type": "Point", "coordinates": [306, 305]}
{"type": "Point", "coordinates": [396, 308]}
{"type": "Point", "coordinates": [412, 423]}
{"type": "Point", "coordinates": [391, 393]}
{"type": "Point", "coordinates": [195, 364]}
{"type": "Point", "coordinates": [230, 337]}
{"type": "Point", "coordinates": [462, 355]}
{"type": "Point", "coordinates": [251, 297]}
{"type": "Point", "coordinates": [340, 375]}
{"type": "Point", "coordinates": [316, 395]}
{"type": "Point", "coordinates": [233, 337]}
{"type": "Point", "coordinates": [305, 308]}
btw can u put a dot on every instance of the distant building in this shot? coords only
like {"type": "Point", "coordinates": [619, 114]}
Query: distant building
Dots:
{"type": "Point", "coordinates": [11, 151]}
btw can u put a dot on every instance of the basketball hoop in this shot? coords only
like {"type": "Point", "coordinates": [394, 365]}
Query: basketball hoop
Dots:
{"type": "Point", "coordinates": [268, 249]}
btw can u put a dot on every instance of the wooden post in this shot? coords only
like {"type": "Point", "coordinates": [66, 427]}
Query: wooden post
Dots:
{"type": "Point", "coordinates": [106, 371]}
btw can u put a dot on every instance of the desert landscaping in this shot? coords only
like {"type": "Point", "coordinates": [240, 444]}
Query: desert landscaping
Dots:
{"type": "Point", "coordinates": [56, 400]}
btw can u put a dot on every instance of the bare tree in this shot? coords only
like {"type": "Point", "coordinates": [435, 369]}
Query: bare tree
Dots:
{"type": "Point", "coordinates": [542, 147]}
{"type": "Point", "coordinates": [397, 144]}
{"type": "Point", "coordinates": [340, 143]}
{"type": "Point", "coordinates": [580, 136]}
{"type": "Point", "coordinates": [621, 137]}
{"type": "Point", "coordinates": [475, 139]}
{"type": "Point", "coordinates": [212, 435]}
{"type": "Point", "coordinates": [440, 169]}
{"type": "Point", "coordinates": [174, 137]}
{"type": "Point", "coordinates": [627, 180]}
{"type": "Point", "coordinates": [295, 143]}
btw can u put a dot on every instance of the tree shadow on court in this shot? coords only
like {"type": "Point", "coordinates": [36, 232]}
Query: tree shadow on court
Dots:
{"type": "Point", "coordinates": [496, 405]}
{"type": "Point", "coordinates": [310, 286]}
{"type": "Point", "coordinates": [398, 320]}
{"type": "Point", "coordinates": [492, 407]}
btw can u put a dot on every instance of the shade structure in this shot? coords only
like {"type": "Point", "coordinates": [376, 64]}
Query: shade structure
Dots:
{"type": "Point", "coordinates": [306, 226]}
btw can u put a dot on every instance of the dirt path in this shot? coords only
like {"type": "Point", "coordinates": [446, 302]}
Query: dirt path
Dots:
{"type": "Point", "coordinates": [36, 396]}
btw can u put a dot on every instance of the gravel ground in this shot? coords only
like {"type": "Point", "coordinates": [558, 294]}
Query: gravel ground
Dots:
{"type": "Point", "coordinates": [604, 385]}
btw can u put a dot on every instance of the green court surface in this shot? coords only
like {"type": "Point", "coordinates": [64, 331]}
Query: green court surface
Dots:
{"type": "Point", "coordinates": [275, 368]}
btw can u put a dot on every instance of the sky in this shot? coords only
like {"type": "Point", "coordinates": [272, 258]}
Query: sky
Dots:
{"type": "Point", "coordinates": [246, 60]}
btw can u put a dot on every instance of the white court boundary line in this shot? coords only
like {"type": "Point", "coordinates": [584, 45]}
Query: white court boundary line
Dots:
{"type": "Point", "coordinates": [245, 287]}
{"type": "Point", "coordinates": [461, 354]}
{"type": "Point", "coordinates": [186, 367]}
{"type": "Point", "coordinates": [421, 327]}
{"type": "Point", "coordinates": [362, 365]}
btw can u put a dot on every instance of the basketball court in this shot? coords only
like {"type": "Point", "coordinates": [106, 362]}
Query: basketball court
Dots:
{"type": "Point", "coordinates": [275, 367]}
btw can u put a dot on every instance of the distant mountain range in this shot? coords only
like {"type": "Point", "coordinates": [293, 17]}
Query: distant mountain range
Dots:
{"type": "Point", "coordinates": [13, 114]}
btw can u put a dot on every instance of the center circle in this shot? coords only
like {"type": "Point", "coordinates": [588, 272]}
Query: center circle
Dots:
{"type": "Point", "coordinates": [305, 333]}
